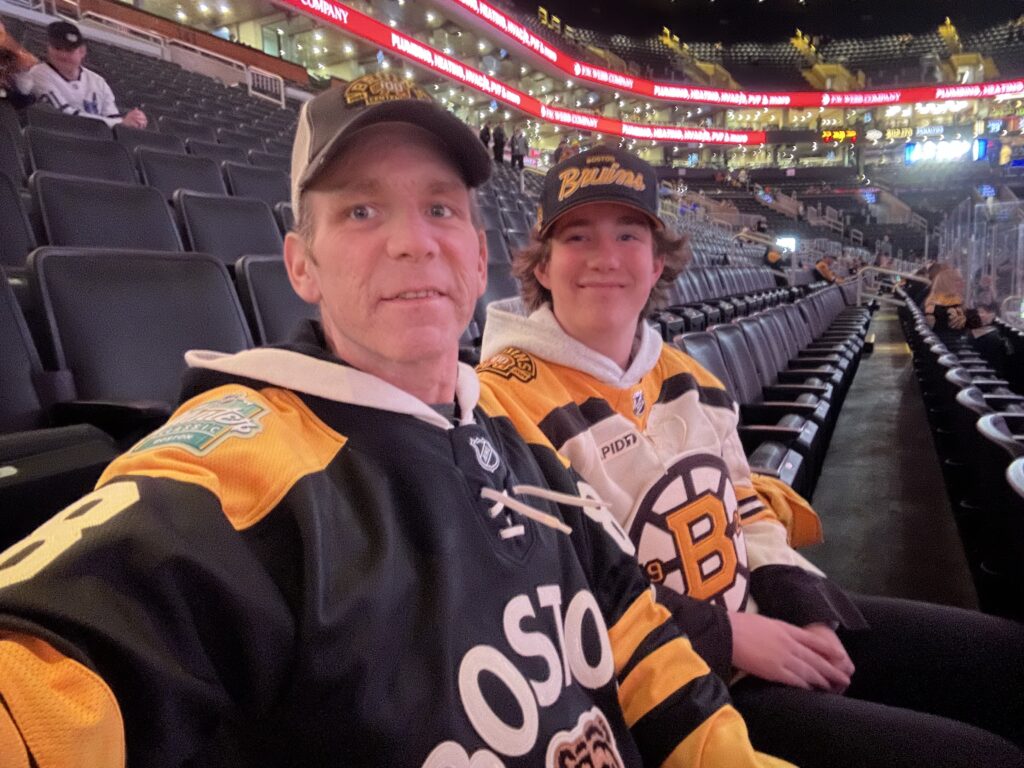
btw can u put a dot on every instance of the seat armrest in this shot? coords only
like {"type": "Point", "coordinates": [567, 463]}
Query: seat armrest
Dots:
{"type": "Point", "coordinates": [798, 376]}
{"type": "Point", "coordinates": [757, 413]}
{"type": "Point", "coordinates": [752, 434]}
{"type": "Point", "coordinates": [121, 420]}
{"type": "Point", "coordinates": [782, 391]}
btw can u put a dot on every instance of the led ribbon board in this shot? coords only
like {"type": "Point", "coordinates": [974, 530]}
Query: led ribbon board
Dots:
{"type": "Point", "coordinates": [691, 94]}
{"type": "Point", "coordinates": [355, 23]}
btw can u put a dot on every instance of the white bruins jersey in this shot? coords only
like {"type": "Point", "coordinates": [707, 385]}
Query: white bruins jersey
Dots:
{"type": "Point", "coordinates": [659, 444]}
{"type": "Point", "coordinates": [88, 96]}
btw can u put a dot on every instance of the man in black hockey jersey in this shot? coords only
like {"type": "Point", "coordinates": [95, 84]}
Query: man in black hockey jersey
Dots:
{"type": "Point", "coordinates": [330, 555]}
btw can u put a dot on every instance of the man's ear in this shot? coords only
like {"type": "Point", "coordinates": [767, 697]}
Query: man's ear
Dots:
{"type": "Point", "coordinates": [301, 269]}
{"type": "Point", "coordinates": [482, 265]}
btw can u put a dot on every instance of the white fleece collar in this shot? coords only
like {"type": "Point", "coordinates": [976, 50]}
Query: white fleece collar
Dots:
{"type": "Point", "coordinates": [333, 381]}
{"type": "Point", "coordinates": [539, 333]}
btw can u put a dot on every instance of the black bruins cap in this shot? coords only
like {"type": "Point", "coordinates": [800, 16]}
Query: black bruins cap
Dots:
{"type": "Point", "coordinates": [602, 174]}
{"type": "Point", "coordinates": [329, 121]}
{"type": "Point", "coordinates": [64, 36]}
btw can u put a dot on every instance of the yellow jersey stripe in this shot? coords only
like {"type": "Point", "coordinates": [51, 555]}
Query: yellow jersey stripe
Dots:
{"type": "Point", "coordinates": [640, 619]}
{"type": "Point", "coordinates": [657, 677]}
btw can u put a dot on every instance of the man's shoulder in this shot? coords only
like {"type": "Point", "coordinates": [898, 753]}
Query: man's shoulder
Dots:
{"type": "Point", "coordinates": [247, 446]}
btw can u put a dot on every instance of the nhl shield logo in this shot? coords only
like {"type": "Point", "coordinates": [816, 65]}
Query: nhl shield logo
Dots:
{"type": "Point", "coordinates": [486, 456]}
{"type": "Point", "coordinates": [639, 404]}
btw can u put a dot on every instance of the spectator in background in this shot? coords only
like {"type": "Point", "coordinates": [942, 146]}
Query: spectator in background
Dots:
{"type": "Point", "coordinates": [69, 87]}
{"type": "Point", "coordinates": [985, 337]}
{"type": "Point", "coordinates": [823, 268]}
{"type": "Point", "coordinates": [14, 61]}
{"type": "Point", "coordinates": [520, 148]}
{"type": "Point", "coordinates": [499, 143]}
{"type": "Point", "coordinates": [944, 305]}
{"type": "Point", "coordinates": [562, 151]}
{"type": "Point", "coordinates": [485, 134]}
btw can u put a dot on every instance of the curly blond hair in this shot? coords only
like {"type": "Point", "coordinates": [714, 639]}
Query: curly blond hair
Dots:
{"type": "Point", "coordinates": [674, 249]}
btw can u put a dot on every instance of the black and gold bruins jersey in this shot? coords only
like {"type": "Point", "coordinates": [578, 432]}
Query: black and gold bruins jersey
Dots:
{"type": "Point", "coordinates": [659, 444]}
{"type": "Point", "coordinates": [308, 566]}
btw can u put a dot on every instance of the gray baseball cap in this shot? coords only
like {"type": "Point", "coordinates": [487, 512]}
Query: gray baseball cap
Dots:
{"type": "Point", "coordinates": [329, 122]}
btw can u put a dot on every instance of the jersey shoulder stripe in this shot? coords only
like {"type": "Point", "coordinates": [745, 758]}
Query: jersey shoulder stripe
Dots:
{"type": "Point", "coordinates": [567, 421]}
{"type": "Point", "coordinates": [246, 447]}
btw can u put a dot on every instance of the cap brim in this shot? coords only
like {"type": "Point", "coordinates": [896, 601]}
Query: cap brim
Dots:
{"type": "Point", "coordinates": [455, 137]}
{"type": "Point", "coordinates": [546, 228]}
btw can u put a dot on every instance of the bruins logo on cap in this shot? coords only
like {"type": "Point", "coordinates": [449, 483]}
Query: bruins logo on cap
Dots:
{"type": "Point", "coordinates": [574, 179]}
{"type": "Point", "coordinates": [378, 88]}
{"type": "Point", "coordinates": [511, 363]}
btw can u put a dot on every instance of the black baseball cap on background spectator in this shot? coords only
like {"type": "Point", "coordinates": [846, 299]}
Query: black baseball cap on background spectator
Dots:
{"type": "Point", "coordinates": [64, 36]}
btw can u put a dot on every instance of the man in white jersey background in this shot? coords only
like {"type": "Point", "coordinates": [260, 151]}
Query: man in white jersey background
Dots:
{"type": "Point", "coordinates": [69, 87]}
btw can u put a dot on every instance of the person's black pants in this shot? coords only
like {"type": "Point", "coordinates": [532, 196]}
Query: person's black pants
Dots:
{"type": "Point", "coordinates": [934, 687]}
{"type": "Point", "coordinates": [517, 161]}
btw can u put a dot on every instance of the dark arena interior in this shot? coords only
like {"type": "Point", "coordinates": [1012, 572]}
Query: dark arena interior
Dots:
{"type": "Point", "coordinates": [848, 177]}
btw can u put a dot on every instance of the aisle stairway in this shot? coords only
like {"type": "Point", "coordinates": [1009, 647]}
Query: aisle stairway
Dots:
{"type": "Point", "coordinates": [888, 526]}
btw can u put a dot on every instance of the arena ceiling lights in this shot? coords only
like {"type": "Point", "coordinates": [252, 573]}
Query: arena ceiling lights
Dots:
{"type": "Point", "coordinates": [513, 30]}
{"type": "Point", "coordinates": [355, 23]}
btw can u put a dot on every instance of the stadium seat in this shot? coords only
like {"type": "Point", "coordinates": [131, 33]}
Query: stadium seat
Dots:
{"type": "Point", "coordinates": [131, 138]}
{"type": "Point", "coordinates": [267, 184]}
{"type": "Point", "coordinates": [285, 217]}
{"type": "Point", "coordinates": [45, 467]}
{"type": "Point", "coordinates": [236, 139]}
{"type": "Point", "coordinates": [268, 160]}
{"type": "Point", "coordinates": [497, 248]}
{"type": "Point", "coordinates": [169, 172]}
{"type": "Point", "coordinates": [121, 321]}
{"type": "Point", "coordinates": [186, 129]}
{"type": "Point", "coordinates": [85, 213]}
{"type": "Point", "coordinates": [12, 144]}
{"type": "Point", "coordinates": [227, 227]}
{"type": "Point", "coordinates": [69, 125]}
{"type": "Point", "coordinates": [769, 445]}
{"type": "Point", "coordinates": [16, 236]}
{"type": "Point", "coordinates": [273, 308]}
{"type": "Point", "coordinates": [217, 152]}
{"type": "Point", "coordinates": [500, 285]}
{"type": "Point", "coordinates": [77, 156]}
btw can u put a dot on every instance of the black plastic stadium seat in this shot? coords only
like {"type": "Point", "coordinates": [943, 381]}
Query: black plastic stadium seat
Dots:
{"type": "Point", "coordinates": [500, 285]}
{"type": "Point", "coordinates": [45, 467]}
{"type": "Point", "coordinates": [285, 217]}
{"type": "Point", "coordinates": [70, 125]}
{"type": "Point", "coordinates": [273, 308]}
{"type": "Point", "coordinates": [82, 212]}
{"type": "Point", "coordinates": [497, 248]}
{"type": "Point", "coordinates": [16, 236]}
{"type": "Point", "coordinates": [217, 152]}
{"type": "Point", "coordinates": [227, 227]}
{"type": "Point", "coordinates": [121, 321]}
{"type": "Point", "coordinates": [12, 144]}
{"type": "Point", "coordinates": [236, 139]}
{"type": "Point", "coordinates": [270, 160]}
{"type": "Point", "coordinates": [131, 138]}
{"type": "Point", "coordinates": [267, 184]}
{"type": "Point", "coordinates": [77, 156]}
{"type": "Point", "coordinates": [185, 129]}
{"type": "Point", "coordinates": [168, 172]}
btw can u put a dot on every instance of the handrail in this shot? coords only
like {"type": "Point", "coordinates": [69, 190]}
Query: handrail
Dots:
{"type": "Point", "coordinates": [206, 53]}
{"type": "Point", "coordinates": [126, 29]}
{"type": "Point", "coordinates": [883, 271]}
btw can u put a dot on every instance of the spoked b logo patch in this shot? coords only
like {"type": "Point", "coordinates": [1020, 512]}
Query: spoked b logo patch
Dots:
{"type": "Point", "coordinates": [686, 530]}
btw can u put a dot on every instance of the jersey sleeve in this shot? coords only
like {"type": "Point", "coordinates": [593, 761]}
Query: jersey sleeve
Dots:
{"type": "Point", "coordinates": [142, 614]}
{"type": "Point", "coordinates": [108, 104]}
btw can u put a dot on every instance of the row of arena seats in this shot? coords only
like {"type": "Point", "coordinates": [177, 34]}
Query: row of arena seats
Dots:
{"type": "Point", "coordinates": [789, 368]}
{"type": "Point", "coordinates": [977, 424]}
{"type": "Point", "coordinates": [27, 149]}
{"type": "Point", "coordinates": [73, 211]}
